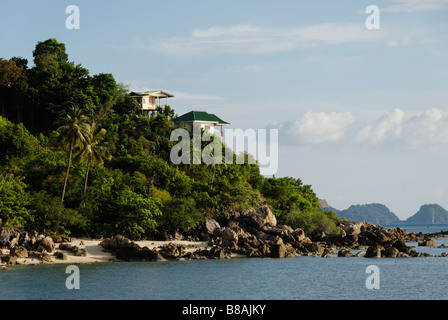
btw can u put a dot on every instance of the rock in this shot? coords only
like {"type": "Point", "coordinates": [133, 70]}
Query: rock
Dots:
{"type": "Point", "coordinates": [211, 225]}
{"type": "Point", "coordinates": [47, 244]}
{"type": "Point", "coordinates": [64, 246]}
{"type": "Point", "coordinates": [46, 257]}
{"type": "Point", "coordinates": [350, 228]}
{"type": "Point", "coordinates": [374, 251]}
{"type": "Point", "coordinates": [172, 252]}
{"type": "Point", "coordinates": [283, 231]}
{"type": "Point", "coordinates": [19, 252]}
{"type": "Point", "coordinates": [229, 234]}
{"type": "Point", "coordinates": [278, 251]}
{"type": "Point", "coordinates": [9, 259]}
{"type": "Point", "coordinates": [114, 242]}
{"type": "Point", "coordinates": [80, 253]}
{"type": "Point", "coordinates": [150, 254]}
{"type": "Point", "coordinates": [260, 217]}
{"type": "Point", "coordinates": [298, 234]}
{"type": "Point", "coordinates": [391, 252]}
{"type": "Point", "coordinates": [314, 247]}
{"type": "Point", "coordinates": [326, 253]}
{"type": "Point", "coordinates": [178, 236]}
{"type": "Point", "coordinates": [5, 234]}
{"type": "Point", "coordinates": [215, 253]}
{"type": "Point", "coordinates": [345, 253]}
{"type": "Point", "coordinates": [431, 242]}
{"type": "Point", "coordinates": [127, 251]}
{"type": "Point", "coordinates": [60, 255]}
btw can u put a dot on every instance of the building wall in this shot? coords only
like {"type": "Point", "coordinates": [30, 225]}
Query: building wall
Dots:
{"type": "Point", "coordinates": [148, 103]}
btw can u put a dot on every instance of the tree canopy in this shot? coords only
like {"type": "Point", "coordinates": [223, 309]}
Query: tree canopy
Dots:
{"type": "Point", "coordinates": [77, 157]}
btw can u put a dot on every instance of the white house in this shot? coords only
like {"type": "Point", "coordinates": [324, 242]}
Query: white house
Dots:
{"type": "Point", "coordinates": [206, 121]}
{"type": "Point", "coordinates": [150, 100]}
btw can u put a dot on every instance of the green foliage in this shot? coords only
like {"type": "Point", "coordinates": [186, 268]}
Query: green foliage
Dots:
{"type": "Point", "coordinates": [122, 179]}
{"type": "Point", "coordinates": [14, 201]}
{"type": "Point", "coordinates": [297, 205]}
{"type": "Point", "coordinates": [50, 217]}
{"type": "Point", "coordinates": [313, 220]}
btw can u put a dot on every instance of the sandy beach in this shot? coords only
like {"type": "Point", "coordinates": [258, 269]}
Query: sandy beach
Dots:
{"type": "Point", "coordinates": [96, 253]}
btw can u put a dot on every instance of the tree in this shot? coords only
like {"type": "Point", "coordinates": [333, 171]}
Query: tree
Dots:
{"type": "Point", "coordinates": [14, 201]}
{"type": "Point", "coordinates": [95, 150]}
{"type": "Point", "coordinates": [51, 46]}
{"type": "Point", "coordinates": [75, 133]}
{"type": "Point", "coordinates": [13, 87]}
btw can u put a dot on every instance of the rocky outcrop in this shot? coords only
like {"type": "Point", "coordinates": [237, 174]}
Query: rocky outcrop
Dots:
{"type": "Point", "coordinates": [25, 244]}
{"type": "Point", "coordinates": [252, 233]}
{"type": "Point", "coordinates": [255, 233]}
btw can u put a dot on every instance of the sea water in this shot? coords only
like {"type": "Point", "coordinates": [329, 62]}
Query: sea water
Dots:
{"type": "Point", "coordinates": [237, 279]}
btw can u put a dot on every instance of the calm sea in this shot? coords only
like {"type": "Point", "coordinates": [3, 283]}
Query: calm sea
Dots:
{"type": "Point", "coordinates": [239, 279]}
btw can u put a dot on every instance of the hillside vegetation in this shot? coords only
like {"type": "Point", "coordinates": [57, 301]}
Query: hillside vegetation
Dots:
{"type": "Point", "coordinates": [76, 157]}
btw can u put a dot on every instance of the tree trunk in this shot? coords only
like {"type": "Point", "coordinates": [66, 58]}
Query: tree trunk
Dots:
{"type": "Point", "coordinates": [85, 183]}
{"type": "Point", "coordinates": [66, 175]}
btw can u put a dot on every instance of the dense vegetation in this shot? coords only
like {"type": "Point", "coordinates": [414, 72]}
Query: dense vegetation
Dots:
{"type": "Point", "coordinates": [76, 157]}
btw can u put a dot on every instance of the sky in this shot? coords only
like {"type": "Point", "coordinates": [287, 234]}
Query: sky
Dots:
{"type": "Point", "coordinates": [361, 113]}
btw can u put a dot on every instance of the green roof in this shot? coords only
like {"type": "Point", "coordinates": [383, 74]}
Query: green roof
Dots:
{"type": "Point", "coordinates": [200, 116]}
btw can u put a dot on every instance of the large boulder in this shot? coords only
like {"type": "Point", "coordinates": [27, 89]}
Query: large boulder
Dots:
{"type": "Point", "coordinates": [9, 259]}
{"type": "Point", "coordinates": [431, 242]}
{"type": "Point", "coordinates": [114, 242]}
{"type": "Point", "coordinates": [299, 234]}
{"type": "Point", "coordinates": [390, 252]}
{"type": "Point", "coordinates": [5, 235]}
{"type": "Point", "coordinates": [279, 250]}
{"type": "Point", "coordinates": [19, 252]}
{"type": "Point", "coordinates": [351, 228]}
{"type": "Point", "coordinates": [211, 225]}
{"type": "Point", "coordinates": [47, 244]}
{"type": "Point", "coordinates": [229, 234]}
{"type": "Point", "coordinates": [374, 251]}
{"type": "Point", "coordinates": [260, 217]}
{"type": "Point", "coordinates": [127, 252]}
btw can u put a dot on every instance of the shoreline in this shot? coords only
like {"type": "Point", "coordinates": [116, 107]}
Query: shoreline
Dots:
{"type": "Point", "coordinates": [97, 254]}
{"type": "Point", "coordinates": [255, 234]}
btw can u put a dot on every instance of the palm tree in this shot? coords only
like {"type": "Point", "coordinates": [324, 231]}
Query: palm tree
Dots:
{"type": "Point", "coordinates": [96, 150]}
{"type": "Point", "coordinates": [75, 133]}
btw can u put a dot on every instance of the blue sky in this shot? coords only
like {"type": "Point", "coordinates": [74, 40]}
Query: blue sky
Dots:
{"type": "Point", "coordinates": [362, 114]}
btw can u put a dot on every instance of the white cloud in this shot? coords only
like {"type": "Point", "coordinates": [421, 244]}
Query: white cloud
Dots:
{"type": "Point", "coordinates": [428, 128]}
{"type": "Point", "coordinates": [415, 5]}
{"type": "Point", "coordinates": [316, 127]}
{"type": "Point", "coordinates": [397, 128]}
{"type": "Point", "coordinates": [388, 127]}
{"type": "Point", "coordinates": [258, 40]}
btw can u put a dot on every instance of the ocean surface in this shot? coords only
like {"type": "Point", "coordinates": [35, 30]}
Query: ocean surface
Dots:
{"type": "Point", "coordinates": [299, 278]}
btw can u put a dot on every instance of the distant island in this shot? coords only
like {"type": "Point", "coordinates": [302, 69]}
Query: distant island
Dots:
{"type": "Point", "coordinates": [380, 214]}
